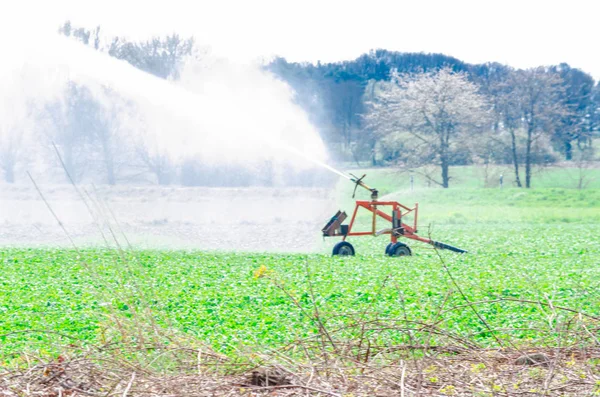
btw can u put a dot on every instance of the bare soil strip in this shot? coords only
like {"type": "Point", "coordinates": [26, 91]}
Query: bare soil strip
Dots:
{"type": "Point", "coordinates": [241, 219]}
{"type": "Point", "coordinates": [444, 372]}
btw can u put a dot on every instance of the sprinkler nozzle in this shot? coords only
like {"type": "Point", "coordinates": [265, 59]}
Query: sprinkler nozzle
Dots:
{"type": "Point", "coordinates": [358, 182]}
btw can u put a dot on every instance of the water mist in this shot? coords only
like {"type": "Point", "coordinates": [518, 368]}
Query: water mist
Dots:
{"type": "Point", "coordinates": [219, 114]}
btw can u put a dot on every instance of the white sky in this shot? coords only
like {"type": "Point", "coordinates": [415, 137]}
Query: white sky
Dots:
{"type": "Point", "coordinates": [521, 33]}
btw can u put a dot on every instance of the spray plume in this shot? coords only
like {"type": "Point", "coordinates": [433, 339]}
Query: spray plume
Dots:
{"type": "Point", "coordinates": [219, 112]}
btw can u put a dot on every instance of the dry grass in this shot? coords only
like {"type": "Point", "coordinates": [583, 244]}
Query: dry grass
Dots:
{"type": "Point", "coordinates": [439, 372]}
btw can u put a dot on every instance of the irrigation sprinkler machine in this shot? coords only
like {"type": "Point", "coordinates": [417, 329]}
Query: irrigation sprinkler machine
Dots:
{"type": "Point", "coordinates": [390, 211]}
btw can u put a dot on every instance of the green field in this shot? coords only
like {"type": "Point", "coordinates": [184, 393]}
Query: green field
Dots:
{"type": "Point", "coordinates": [532, 254]}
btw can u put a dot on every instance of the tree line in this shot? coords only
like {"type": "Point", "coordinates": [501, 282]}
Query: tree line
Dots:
{"type": "Point", "coordinates": [82, 130]}
{"type": "Point", "coordinates": [412, 110]}
{"type": "Point", "coordinates": [90, 132]}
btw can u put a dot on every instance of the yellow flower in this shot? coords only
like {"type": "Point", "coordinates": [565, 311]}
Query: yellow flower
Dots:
{"type": "Point", "coordinates": [261, 271]}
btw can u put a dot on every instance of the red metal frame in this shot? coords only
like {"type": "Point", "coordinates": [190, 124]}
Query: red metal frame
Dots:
{"type": "Point", "coordinates": [405, 230]}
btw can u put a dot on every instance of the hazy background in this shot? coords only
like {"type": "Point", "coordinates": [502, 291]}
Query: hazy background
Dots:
{"type": "Point", "coordinates": [259, 98]}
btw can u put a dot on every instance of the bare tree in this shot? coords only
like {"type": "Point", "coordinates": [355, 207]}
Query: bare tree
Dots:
{"type": "Point", "coordinates": [584, 160]}
{"type": "Point", "coordinates": [70, 119]}
{"type": "Point", "coordinates": [16, 130]}
{"type": "Point", "coordinates": [436, 108]}
{"type": "Point", "coordinates": [508, 112]}
{"type": "Point", "coordinates": [346, 100]}
{"type": "Point", "coordinates": [157, 164]}
{"type": "Point", "coordinates": [575, 127]}
{"type": "Point", "coordinates": [538, 93]}
{"type": "Point", "coordinates": [110, 117]}
{"type": "Point", "coordinates": [10, 152]}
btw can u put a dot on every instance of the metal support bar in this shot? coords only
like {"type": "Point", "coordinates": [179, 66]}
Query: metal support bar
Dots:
{"type": "Point", "coordinates": [398, 229]}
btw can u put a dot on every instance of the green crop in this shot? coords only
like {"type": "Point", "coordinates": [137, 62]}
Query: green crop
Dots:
{"type": "Point", "coordinates": [532, 255]}
{"type": "Point", "coordinates": [217, 298]}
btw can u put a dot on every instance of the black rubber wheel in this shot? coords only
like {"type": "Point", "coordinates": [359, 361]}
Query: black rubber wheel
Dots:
{"type": "Point", "coordinates": [343, 248]}
{"type": "Point", "coordinates": [387, 248]}
{"type": "Point", "coordinates": [399, 249]}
